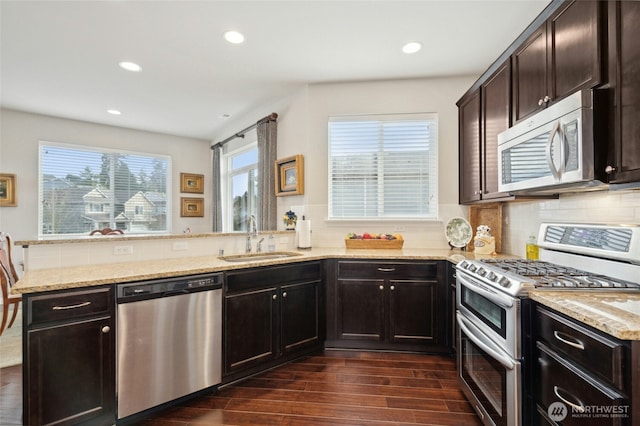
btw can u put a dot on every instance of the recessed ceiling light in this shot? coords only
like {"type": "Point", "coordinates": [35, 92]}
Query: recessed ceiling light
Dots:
{"type": "Point", "coordinates": [114, 112]}
{"type": "Point", "coordinates": [224, 116]}
{"type": "Point", "coordinates": [130, 66]}
{"type": "Point", "coordinates": [234, 37]}
{"type": "Point", "coordinates": [411, 47]}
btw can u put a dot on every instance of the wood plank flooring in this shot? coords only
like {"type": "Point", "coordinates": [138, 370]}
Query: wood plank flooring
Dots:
{"type": "Point", "coordinates": [331, 388]}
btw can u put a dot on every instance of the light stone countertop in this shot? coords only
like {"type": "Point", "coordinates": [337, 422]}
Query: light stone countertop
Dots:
{"type": "Point", "coordinates": [86, 276]}
{"type": "Point", "coordinates": [615, 313]}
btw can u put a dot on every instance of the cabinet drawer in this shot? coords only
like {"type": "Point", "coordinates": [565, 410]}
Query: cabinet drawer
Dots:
{"type": "Point", "coordinates": [581, 394]}
{"type": "Point", "coordinates": [270, 276]}
{"type": "Point", "coordinates": [358, 269]}
{"type": "Point", "coordinates": [595, 352]}
{"type": "Point", "coordinates": [69, 305]}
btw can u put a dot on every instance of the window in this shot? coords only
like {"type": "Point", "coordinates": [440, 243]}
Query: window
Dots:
{"type": "Point", "coordinates": [84, 188]}
{"type": "Point", "coordinates": [242, 187]}
{"type": "Point", "coordinates": [383, 167]}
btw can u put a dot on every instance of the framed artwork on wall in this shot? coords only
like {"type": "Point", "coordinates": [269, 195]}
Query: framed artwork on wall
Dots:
{"type": "Point", "coordinates": [192, 207]}
{"type": "Point", "coordinates": [290, 176]}
{"type": "Point", "coordinates": [192, 183]}
{"type": "Point", "coordinates": [8, 190]}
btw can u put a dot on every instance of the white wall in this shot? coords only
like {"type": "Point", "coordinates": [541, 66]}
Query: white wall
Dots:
{"type": "Point", "coordinates": [302, 129]}
{"type": "Point", "coordinates": [20, 133]}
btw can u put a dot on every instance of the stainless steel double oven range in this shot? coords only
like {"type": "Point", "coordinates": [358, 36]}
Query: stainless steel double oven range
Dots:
{"type": "Point", "coordinates": [494, 313]}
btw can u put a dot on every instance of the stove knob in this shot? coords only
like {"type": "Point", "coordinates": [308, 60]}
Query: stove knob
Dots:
{"type": "Point", "coordinates": [504, 282]}
{"type": "Point", "coordinates": [472, 268]}
{"type": "Point", "coordinates": [481, 271]}
{"type": "Point", "coordinates": [492, 276]}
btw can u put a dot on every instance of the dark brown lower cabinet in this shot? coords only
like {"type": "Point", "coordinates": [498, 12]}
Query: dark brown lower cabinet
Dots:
{"type": "Point", "coordinates": [69, 358]}
{"type": "Point", "coordinates": [388, 305]}
{"type": "Point", "coordinates": [271, 315]}
{"type": "Point", "coordinates": [583, 376]}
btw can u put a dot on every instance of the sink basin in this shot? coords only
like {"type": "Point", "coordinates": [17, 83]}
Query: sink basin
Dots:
{"type": "Point", "coordinates": [252, 257]}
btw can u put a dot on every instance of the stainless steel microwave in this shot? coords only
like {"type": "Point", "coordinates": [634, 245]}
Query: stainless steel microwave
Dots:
{"type": "Point", "coordinates": [552, 151]}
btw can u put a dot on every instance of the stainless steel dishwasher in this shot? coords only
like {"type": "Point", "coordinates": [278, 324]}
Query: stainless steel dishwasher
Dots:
{"type": "Point", "coordinates": [169, 337]}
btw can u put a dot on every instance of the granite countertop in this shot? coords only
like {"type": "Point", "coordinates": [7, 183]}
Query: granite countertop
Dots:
{"type": "Point", "coordinates": [615, 313]}
{"type": "Point", "coordinates": [85, 276]}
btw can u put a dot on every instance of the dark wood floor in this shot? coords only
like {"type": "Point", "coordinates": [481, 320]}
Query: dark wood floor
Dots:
{"type": "Point", "coordinates": [332, 388]}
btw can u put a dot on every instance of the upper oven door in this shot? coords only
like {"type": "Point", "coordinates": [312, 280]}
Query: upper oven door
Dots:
{"type": "Point", "coordinates": [496, 314]}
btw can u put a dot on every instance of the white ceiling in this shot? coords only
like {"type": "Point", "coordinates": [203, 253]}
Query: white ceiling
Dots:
{"type": "Point", "coordinates": [60, 57]}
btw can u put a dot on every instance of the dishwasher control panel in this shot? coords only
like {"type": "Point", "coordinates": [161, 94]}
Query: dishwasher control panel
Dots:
{"type": "Point", "coordinates": [167, 287]}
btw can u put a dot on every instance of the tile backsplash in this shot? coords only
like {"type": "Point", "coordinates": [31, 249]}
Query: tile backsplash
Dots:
{"type": "Point", "coordinates": [522, 219]}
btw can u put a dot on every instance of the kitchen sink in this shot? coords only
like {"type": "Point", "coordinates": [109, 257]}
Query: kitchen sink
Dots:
{"type": "Point", "coordinates": [252, 257]}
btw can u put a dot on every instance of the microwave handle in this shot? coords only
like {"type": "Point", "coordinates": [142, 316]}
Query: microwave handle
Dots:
{"type": "Point", "coordinates": [554, 171]}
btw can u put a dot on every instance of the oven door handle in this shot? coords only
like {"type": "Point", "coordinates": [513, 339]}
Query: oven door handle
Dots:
{"type": "Point", "coordinates": [487, 346]}
{"type": "Point", "coordinates": [502, 301]}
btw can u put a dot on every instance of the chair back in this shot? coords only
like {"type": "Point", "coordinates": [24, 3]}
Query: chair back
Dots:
{"type": "Point", "coordinates": [5, 259]}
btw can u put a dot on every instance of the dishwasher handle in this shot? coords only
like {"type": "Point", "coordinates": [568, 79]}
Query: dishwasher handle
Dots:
{"type": "Point", "coordinates": [174, 293]}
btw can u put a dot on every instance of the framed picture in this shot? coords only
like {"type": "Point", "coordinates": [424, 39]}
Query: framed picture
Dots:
{"type": "Point", "coordinates": [290, 176]}
{"type": "Point", "coordinates": [192, 207]}
{"type": "Point", "coordinates": [191, 183]}
{"type": "Point", "coordinates": [7, 190]}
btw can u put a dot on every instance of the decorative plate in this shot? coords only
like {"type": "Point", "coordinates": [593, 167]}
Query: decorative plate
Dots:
{"type": "Point", "coordinates": [458, 232]}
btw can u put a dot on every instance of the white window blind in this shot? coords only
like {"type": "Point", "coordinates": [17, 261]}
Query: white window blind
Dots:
{"type": "Point", "coordinates": [84, 188]}
{"type": "Point", "coordinates": [383, 167]}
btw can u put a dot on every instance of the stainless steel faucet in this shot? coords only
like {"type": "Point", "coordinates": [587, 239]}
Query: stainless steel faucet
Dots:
{"type": "Point", "coordinates": [252, 230]}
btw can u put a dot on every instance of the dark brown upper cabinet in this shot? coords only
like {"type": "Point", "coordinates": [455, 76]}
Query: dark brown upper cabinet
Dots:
{"type": "Point", "coordinates": [561, 56]}
{"type": "Point", "coordinates": [483, 115]}
{"type": "Point", "coordinates": [624, 77]}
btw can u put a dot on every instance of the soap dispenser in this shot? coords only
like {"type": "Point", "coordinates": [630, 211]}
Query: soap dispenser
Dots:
{"type": "Point", "coordinates": [271, 245]}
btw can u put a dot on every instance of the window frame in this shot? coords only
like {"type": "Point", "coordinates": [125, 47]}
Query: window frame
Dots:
{"type": "Point", "coordinates": [227, 180]}
{"type": "Point", "coordinates": [433, 167]}
{"type": "Point", "coordinates": [43, 144]}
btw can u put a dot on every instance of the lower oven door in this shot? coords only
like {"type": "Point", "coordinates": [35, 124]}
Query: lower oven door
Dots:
{"type": "Point", "coordinates": [489, 377]}
{"type": "Point", "coordinates": [497, 314]}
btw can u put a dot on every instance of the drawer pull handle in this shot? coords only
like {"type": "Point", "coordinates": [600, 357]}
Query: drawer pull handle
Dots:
{"type": "Point", "coordinates": [386, 269]}
{"type": "Point", "coordinates": [79, 305]}
{"type": "Point", "coordinates": [579, 407]}
{"type": "Point", "coordinates": [568, 340]}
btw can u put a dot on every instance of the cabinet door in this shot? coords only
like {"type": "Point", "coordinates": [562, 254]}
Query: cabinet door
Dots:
{"type": "Point", "coordinates": [574, 48]}
{"type": "Point", "coordinates": [496, 118]}
{"type": "Point", "coordinates": [300, 307]}
{"type": "Point", "coordinates": [530, 74]}
{"type": "Point", "coordinates": [469, 147]}
{"type": "Point", "coordinates": [71, 375]}
{"type": "Point", "coordinates": [412, 312]}
{"type": "Point", "coordinates": [624, 68]}
{"type": "Point", "coordinates": [249, 329]}
{"type": "Point", "coordinates": [360, 309]}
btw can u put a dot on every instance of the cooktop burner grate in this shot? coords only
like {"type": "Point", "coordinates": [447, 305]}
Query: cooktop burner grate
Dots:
{"type": "Point", "coordinates": [550, 275]}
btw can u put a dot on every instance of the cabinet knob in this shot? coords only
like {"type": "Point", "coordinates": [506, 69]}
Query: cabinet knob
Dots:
{"type": "Point", "coordinates": [540, 102]}
{"type": "Point", "coordinates": [106, 329]}
{"type": "Point", "coordinates": [284, 294]}
{"type": "Point", "coordinates": [609, 169]}
{"type": "Point", "coordinates": [381, 287]}
{"type": "Point", "coordinates": [274, 297]}
{"type": "Point", "coordinates": [393, 287]}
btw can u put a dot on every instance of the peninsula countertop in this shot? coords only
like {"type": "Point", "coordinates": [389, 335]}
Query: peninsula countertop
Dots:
{"type": "Point", "coordinates": [114, 273]}
{"type": "Point", "coordinates": [615, 313]}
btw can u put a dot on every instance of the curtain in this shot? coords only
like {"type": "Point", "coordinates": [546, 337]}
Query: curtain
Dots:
{"type": "Point", "coordinates": [267, 130]}
{"type": "Point", "coordinates": [216, 195]}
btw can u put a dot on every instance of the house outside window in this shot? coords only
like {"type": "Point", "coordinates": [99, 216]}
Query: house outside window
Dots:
{"type": "Point", "coordinates": [84, 188]}
{"type": "Point", "coordinates": [240, 177]}
{"type": "Point", "coordinates": [383, 167]}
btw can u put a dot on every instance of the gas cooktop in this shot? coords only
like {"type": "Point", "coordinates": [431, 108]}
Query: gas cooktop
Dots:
{"type": "Point", "coordinates": [549, 275]}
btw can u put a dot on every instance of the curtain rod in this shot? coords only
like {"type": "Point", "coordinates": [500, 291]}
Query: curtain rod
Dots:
{"type": "Point", "coordinates": [271, 117]}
